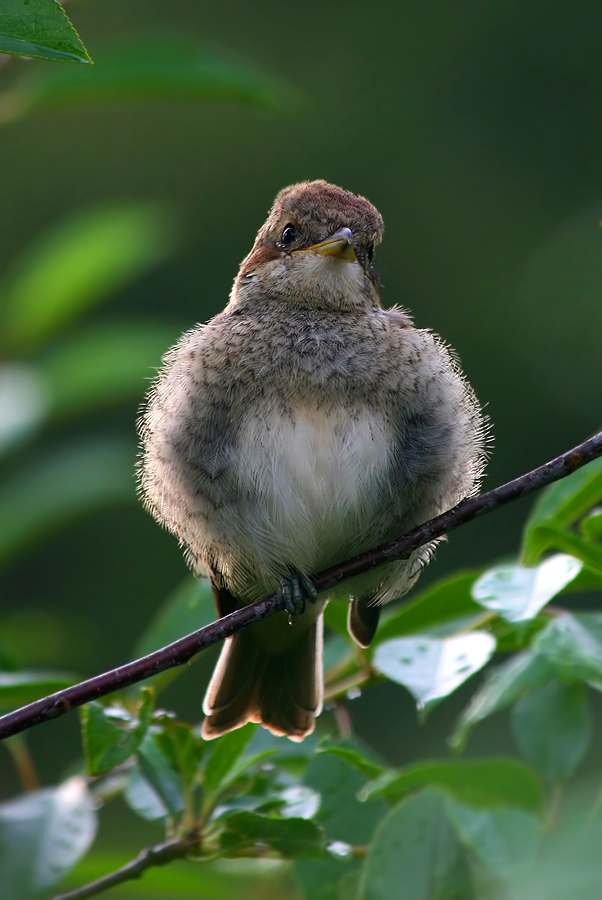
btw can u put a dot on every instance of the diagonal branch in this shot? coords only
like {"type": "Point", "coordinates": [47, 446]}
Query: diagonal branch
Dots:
{"type": "Point", "coordinates": [159, 855]}
{"type": "Point", "coordinates": [178, 653]}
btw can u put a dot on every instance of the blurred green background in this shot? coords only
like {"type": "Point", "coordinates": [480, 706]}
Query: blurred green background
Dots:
{"type": "Point", "coordinates": [476, 129]}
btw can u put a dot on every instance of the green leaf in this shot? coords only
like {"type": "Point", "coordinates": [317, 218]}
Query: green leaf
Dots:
{"type": "Point", "coordinates": [355, 759]}
{"type": "Point", "coordinates": [431, 668]}
{"type": "Point", "coordinates": [65, 482]}
{"type": "Point", "coordinates": [149, 69]}
{"type": "Point", "coordinates": [142, 798]}
{"type": "Point", "coordinates": [552, 727]}
{"type": "Point", "coordinates": [517, 593]}
{"type": "Point", "coordinates": [19, 688]}
{"type": "Point", "coordinates": [337, 777]}
{"type": "Point", "coordinates": [156, 769]}
{"type": "Point", "coordinates": [181, 746]}
{"type": "Point", "coordinates": [482, 782]}
{"type": "Point", "coordinates": [111, 734]}
{"type": "Point", "coordinates": [591, 526]}
{"type": "Point", "coordinates": [416, 854]}
{"type": "Point", "coordinates": [561, 505]}
{"type": "Point", "coordinates": [104, 365]}
{"type": "Point", "coordinates": [570, 542]}
{"type": "Point", "coordinates": [42, 835]}
{"type": "Point", "coordinates": [40, 28]}
{"type": "Point", "coordinates": [501, 688]}
{"type": "Point", "coordinates": [504, 840]}
{"type": "Point", "coordinates": [289, 837]}
{"type": "Point", "coordinates": [573, 646]}
{"type": "Point", "coordinates": [225, 753]}
{"type": "Point", "coordinates": [78, 265]}
{"type": "Point", "coordinates": [446, 600]}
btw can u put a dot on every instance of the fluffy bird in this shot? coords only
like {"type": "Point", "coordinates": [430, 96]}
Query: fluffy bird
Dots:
{"type": "Point", "coordinates": [301, 426]}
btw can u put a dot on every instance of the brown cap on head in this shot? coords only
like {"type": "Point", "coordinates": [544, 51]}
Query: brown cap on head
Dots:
{"type": "Point", "coordinates": [317, 209]}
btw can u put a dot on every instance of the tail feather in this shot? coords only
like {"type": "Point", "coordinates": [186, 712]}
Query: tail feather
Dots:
{"type": "Point", "coordinates": [283, 691]}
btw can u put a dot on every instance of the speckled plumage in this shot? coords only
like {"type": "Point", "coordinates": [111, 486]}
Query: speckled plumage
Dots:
{"type": "Point", "coordinates": [303, 425]}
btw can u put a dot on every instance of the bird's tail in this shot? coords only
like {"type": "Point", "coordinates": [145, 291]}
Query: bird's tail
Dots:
{"type": "Point", "coordinates": [283, 691]}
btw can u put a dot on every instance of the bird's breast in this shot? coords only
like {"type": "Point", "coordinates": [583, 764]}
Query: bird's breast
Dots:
{"type": "Point", "coordinates": [313, 478]}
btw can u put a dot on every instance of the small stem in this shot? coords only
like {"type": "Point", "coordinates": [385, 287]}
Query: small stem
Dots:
{"type": "Point", "coordinates": [343, 720]}
{"type": "Point", "coordinates": [159, 855]}
{"type": "Point", "coordinates": [24, 763]}
{"type": "Point", "coordinates": [341, 687]}
{"type": "Point", "coordinates": [554, 805]}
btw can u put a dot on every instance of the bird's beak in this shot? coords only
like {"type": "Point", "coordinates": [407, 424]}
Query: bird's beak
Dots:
{"type": "Point", "coordinates": [338, 244]}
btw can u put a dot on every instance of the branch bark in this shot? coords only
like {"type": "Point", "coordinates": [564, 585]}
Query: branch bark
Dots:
{"type": "Point", "coordinates": [178, 653]}
{"type": "Point", "coordinates": [159, 855]}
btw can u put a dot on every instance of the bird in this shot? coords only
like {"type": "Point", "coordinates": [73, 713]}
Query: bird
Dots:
{"type": "Point", "coordinates": [304, 424]}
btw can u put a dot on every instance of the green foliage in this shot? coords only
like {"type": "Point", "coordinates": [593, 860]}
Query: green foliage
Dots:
{"type": "Point", "coordinates": [170, 67]}
{"type": "Point", "coordinates": [40, 28]}
{"type": "Point", "coordinates": [353, 829]}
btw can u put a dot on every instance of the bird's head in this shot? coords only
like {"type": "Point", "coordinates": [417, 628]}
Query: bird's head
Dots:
{"type": "Point", "coordinates": [315, 251]}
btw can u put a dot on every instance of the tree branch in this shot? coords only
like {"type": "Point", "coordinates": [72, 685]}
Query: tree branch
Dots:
{"type": "Point", "coordinates": [178, 653]}
{"type": "Point", "coordinates": [159, 855]}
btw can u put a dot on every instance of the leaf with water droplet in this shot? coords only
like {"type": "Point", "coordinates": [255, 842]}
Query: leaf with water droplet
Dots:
{"type": "Point", "coordinates": [432, 668]}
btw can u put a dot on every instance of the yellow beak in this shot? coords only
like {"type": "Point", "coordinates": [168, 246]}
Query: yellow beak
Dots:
{"type": "Point", "coordinates": [339, 244]}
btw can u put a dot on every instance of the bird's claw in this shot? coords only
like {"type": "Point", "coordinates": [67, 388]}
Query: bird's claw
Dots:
{"type": "Point", "coordinates": [295, 590]}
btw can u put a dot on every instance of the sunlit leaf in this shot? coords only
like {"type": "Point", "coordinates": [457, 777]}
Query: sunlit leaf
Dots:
{"type": "Point", "coordinates": [24, 402]}
{"type": "Point", "coordinates": [39, 28]}
{"type": "Point", "coordinates": [495, 781]}
{"type": "Point", "coordinates": [502, 687]}
{"type": "Point", "coordinates": [49, 490]}
{"type": "Point", "coordinates": [103, 365]}
{"type": "Point", "coordinates": [42, 835]}
{"type": "Point", "coordinates": [517, 593]}
{"type": "Point", "coordinates": [552, 727]}
{"type": "Point", "coordinates": [561, 505]}
{"type": "Point", "coordinates": [171, 67]}
{"type": "Point", "coordinates": [416, 846]}
{"type": "Point", "coordinates": [18, 688]}
{"type": "Point", "coordinates": [431, 668]}
{"type": "Point", "coordinates": [288, 837]}
{"type": "Point", "coordinates": [504, 840]}
{"type": "Point", "coordinates": [79, 264]}
{"type": "Point", "coordinates": [446, 600]}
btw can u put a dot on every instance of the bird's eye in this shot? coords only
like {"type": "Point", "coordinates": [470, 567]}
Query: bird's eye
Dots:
{"type": "Point", "coordinates": [289, 234]}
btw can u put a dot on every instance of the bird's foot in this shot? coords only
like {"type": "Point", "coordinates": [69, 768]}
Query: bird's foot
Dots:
{"type": "Point", "coordinates": [295, 590]}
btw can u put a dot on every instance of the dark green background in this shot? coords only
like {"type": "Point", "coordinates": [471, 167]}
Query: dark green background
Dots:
{"type": "Point", "coordinates": [475, 128]}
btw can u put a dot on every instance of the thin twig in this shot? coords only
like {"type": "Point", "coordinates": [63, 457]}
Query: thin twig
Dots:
{"type": "Point", "coordinates": [159, 855]}
{"type": "Point", "coordinates": [179, 653]}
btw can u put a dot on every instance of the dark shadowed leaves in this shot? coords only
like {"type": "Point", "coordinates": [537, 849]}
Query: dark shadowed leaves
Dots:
{"type": "Point", "coordinates": [417, 854]}
{"type": "Point", "coordinates": [552, 727]}
{"type": "Point", "coordinates": [483, 782]}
